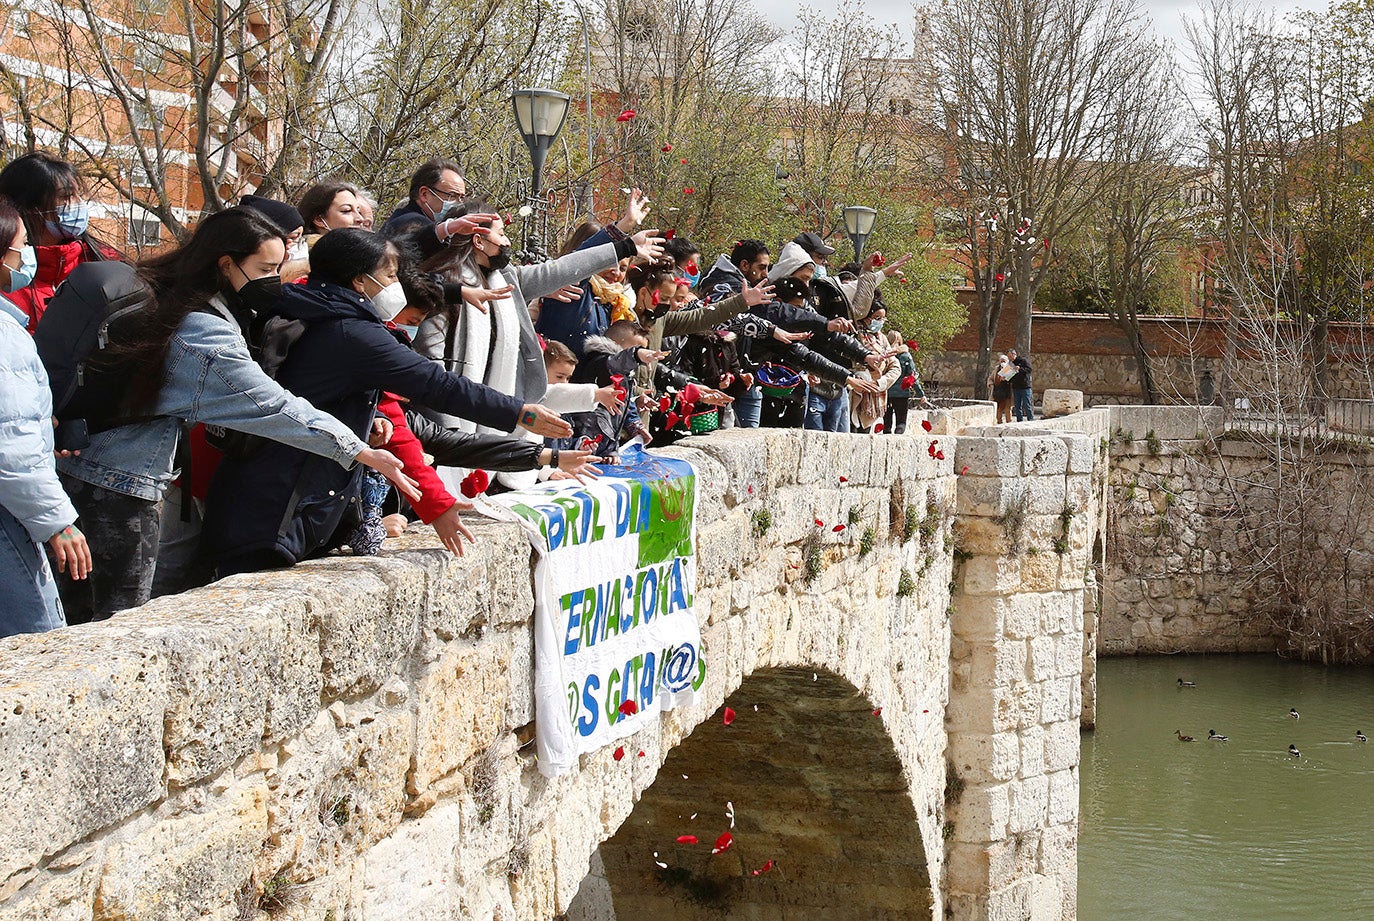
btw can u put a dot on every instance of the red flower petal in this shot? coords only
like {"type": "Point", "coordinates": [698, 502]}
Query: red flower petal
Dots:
{"type": "Point", "coordinates": [629, 707]}
{"type": "Point", "coordinates": [686, 839]}
{"type": "Point", "coordinates": [626, 115]}
{"type": "Point", "coordinates": [844, 479]}
{"type": "Point", "coordinates": [939, 455]}
{"type": "Point", "coordinates": [878, 712]}
{"type": "Point", "coordinates": [667, 148]}
{"type": "Point", "coordinates": [999, 277]}
{"type": "Point", "coordinates": [877, 428]}
{"type": "Point", "coordinates": [904, 280]}
{"type": "Point", "coordinates": [878, 260]}
{"type": "Point", "coordinates": [684, 161]}
{"type": "Point", "coordinates": [729, 716]}
{"type": "Point", "coordinates": [723, 842]}
{"type": "Point", "coordinates": [925, 424]}
{"type": "Point", "coordinates": [641, 753]}
{"type": "Point", "coordinates": [751, 490]}
{"type": "Point", "coordinates": [925, 711]}
{"type": "Point", "coordinates": [672, 420]}
{"type": "Point", "coordinates": [963, 471]}
{"type": "Point", "coordinates": [688, 191]}
{"type": "Point", "coordinates": [913, 345]}
{"type": "Point", "coordinates": [838, 528]}
{"type": "Point", "coordinates": [619, 753]}
{"type": "Point", "coordinates": [664, 404]}
{"type": "Point", "coordinates": [474, 484]}
{"type": "Point", "coordinates": [768, 865]}
{"type": "Point", "coordinates": [930, 449]}
{"type": "Point", "coordinates": [819, 523]}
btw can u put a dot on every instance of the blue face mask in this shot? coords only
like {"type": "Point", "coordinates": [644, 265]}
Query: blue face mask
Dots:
{"type": "Point", "coordinates": [411, 331]}
{"type": "Point", "coordinates": [22, 277]}
{"type": "Point", "coordinates": [72, 220]}
{"type": "Point", "coordinates": [875, 325]}
{"type": "Point", "coordinates": [820, 271]}
{"type": "Point", "coordinates": [691, 279]}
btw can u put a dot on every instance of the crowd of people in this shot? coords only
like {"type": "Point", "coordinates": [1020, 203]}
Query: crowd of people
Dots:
{"type": "Point", "coordinates": [290, 382]}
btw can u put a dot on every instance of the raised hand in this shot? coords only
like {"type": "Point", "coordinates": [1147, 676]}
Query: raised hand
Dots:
{"type": "Point", "coordinates": [840, 325]}
{"type": "Point", "coordinates": [648, 245]}
{"type": "Point", "coordinates": [636, 210]}
{"type": "Point", "coordinates": [608, 398]}
{"type": "Point", "coordinates": [895, 267]}
{"type": "Point", "coordinates": [649, 356]}
{"type": "Point", "coordinates": [389, 466]}
{"type": "Point", "coordinates": [465, 226]}
{"type": "Point", "coordinates": [544, 422]}
{"type": "Point", "coordinates": [72, 553]}
{"type": "Point", "coordinates": [478, 297]}
{"type": "Point", "coordinates": [755, 295]}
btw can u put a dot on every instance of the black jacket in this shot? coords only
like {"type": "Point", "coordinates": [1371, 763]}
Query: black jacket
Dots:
{"type": "Point", "coordinates": [457, 448]}
{"type": "Point", "coordinates": [283, 504]}
{"type": "Point", "coordinates": [1022, 380]}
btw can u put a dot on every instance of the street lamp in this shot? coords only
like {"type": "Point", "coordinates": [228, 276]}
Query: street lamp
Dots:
{"type": "Point", "coordinates": [539, 113]}
{"type": "Point", "coordinates": [858, 223]}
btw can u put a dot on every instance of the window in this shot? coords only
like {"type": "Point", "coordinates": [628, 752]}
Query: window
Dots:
{"type": "Point", "coordinates": [138, 178]}
{"type": "Point", "coordinates": [145, 115]}
{"type": "Point", "coordinates": [144, 231]}
{"type": "Point", "coordinates": [19, 23]}
{"type": "Point", "coordinates": [151, 7]}
{"type": "Point", "coordinates": [148, 59]}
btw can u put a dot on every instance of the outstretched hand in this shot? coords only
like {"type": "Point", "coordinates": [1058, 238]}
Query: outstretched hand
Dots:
{"type": "Point", "coordinates": [478, 297]}
{"type": "Point", "coordinates": [390, 466]}
{"type": "Point", "coordinates": [786, 337]}
{"type": "Point", "coordinates": [636, 210]}
{"type": "Point", "coordinates": [567, 294]}
{"type": "Point", "coordinates": [861, 385]}
{"type": "Point", "coordinates": [648, 245]}
{"type": "Point", "coordinates": [754, 295]}
{"type": "Point", "coordinates": [544, 422]}
{"type": "Point", "coordinates": [451, 530]}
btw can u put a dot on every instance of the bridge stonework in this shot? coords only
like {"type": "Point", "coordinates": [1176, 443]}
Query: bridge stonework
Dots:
{"type": "Point", "coordinates": [350, 739]}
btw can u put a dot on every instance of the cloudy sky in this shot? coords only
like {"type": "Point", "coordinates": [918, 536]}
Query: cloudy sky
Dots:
{"type": "Point", "coordinates": [1166, 15]}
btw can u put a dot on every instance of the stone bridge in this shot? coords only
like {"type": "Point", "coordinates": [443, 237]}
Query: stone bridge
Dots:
{"type": "Point", "coordinates": [351, 739]}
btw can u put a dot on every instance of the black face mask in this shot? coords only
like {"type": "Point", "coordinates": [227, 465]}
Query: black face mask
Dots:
{"type": "Point", "coordinates": [260, 293]}
{"type": "Point", "coordinates": [500, 260]}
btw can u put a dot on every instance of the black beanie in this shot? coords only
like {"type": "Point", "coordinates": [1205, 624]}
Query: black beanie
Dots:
{"type": "Point", "coordinates": [284, 216]}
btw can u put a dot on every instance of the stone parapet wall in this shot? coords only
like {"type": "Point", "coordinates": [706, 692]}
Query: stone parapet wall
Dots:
{"type": "Point", "coordinates": [350, 739]}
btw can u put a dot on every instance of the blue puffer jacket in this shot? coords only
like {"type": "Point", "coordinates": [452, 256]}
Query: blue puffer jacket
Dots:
{"type": "Point", "coordinates": [281, 501]}
{"type": "Point", "coordinates": [573, 322]}
{"type": "Point", "coordinates": [28, 480]}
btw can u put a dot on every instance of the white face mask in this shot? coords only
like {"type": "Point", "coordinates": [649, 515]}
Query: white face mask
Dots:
{"type": "Point", "coordinates": [298, 250]}
{"type": "Point", "coordinates": [389, 301]}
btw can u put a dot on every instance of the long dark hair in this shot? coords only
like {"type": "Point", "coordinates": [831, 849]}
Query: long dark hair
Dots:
{"type": "Point", "coordinates": [458, 254]}
{"type": "Point", "coordinates": [342, 255]}
{"type": "Point", "coordinates": [9, 224]}
{"type": "Point", "coordinates": [182, 281]}
{"type": "Point", "coordinates": [36, 183]}
{"type": "Point", "coordinates": [318, 198]}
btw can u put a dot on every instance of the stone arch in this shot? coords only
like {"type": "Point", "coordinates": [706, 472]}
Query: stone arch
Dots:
{"type": "Point", "coordinates": [817, 788]}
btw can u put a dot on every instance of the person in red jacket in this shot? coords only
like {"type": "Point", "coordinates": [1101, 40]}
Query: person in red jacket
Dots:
{"type": "Point", "coordinates": [50, 197]}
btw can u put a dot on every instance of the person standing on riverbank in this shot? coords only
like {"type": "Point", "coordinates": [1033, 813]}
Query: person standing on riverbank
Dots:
{"type": "Point", "coordinates": [1021, 388]}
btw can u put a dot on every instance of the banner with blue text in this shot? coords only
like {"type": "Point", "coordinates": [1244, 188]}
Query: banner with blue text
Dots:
{"type": "Point", "coordinates": [615, 637]}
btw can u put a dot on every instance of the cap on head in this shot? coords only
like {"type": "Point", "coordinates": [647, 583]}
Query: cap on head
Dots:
{"type": "Point", "coordinates": [813, 244]}
{"type": "Point", "coordinates": [282, 215]}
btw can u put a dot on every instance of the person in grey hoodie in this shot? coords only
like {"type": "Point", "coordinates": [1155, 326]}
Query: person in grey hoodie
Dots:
{"type": "Point", "coordinates": [33, 508]}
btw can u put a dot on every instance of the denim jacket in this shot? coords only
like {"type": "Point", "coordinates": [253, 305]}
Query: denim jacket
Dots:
{"type": "Point", "coordinates": [208, 377]}
{"type": "Point", "coordinates": [28, 483]}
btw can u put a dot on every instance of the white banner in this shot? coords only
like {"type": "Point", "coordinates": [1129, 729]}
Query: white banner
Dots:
{"type": "Point", "coordinates": [615, 637]}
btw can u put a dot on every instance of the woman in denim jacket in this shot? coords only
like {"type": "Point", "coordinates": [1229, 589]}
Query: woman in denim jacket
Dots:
{"type": "Point", "coordinates": [191, 365]}
{"type": "Point", "coordinates": [33, 508]}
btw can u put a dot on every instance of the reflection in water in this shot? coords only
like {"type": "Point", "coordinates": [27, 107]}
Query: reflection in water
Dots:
{"type": "Point", "coordinates": [1228, 830]}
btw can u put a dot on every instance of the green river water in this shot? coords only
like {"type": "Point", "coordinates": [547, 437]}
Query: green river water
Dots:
{"type": "Point", "coordinates": [1235, 830]}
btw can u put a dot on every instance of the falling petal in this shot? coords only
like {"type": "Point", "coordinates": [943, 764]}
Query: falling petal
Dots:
{"type": "Point", "coordinates": [686, 839]}
{"type": "Point", "coordinates": [629, 708]}
{"type": "Point", "coordinates": [619, 753]}
{"type": "Point", "coordinates": [641, 753]}
{"type": "Point", "coordinates": [768, 865]}
{"type": "Point", "coordinates": [723, 842]}
{"type": "Point", "coordinates": [930, 449]}
{"type": "Point", "coordinates": [688, 191]}
{"type": "Point", "coordinates": [925, 711]}
{"type": "Point", "coordinates": [756, 708]}
{"type": "Point", "coordinates": [925, 424]}
{"type": "Point", "coordinates": [751, 490]}
{"type": "Point", "coordinates": [813, 677]}
{"type": "Point", "coordinates": [730, 812]}
{"type": "Point", "coordinates": [838, 528]}
{"type": "Point", "coordinates": [963, 470]}
{"type": "Point", "coordinates": [661, 865]}
{"type": "Point", "coordinates": [667, 148]}
{"type": "Point", "coordinates": [729, 716]}
{"type": "Point", "coordinates": [626, 115]}
{"type": "Point", "coordinates": [819, 523]}
{"type": "Point", "coordinates": [939, 455]}
{"type": "Point", "coordinates": [684, 161]}
{"type": "Point", "coordinates": [844, 479]}
{"type": "Point", "coordinates": [877, 428]}
{"type": "Point", "coordinates": [684, 776]}
{"type": "Point", "coordinates": [878, 712]}
{"type": "Point", "coordinates": [693, 817]}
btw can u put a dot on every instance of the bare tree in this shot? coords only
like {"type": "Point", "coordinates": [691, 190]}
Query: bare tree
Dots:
{"type": "Point", "coordinates": [1032, 91]}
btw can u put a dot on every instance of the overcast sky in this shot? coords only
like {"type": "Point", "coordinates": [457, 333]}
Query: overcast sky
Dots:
{"type": "Point", "coordinates": [1166, 15]}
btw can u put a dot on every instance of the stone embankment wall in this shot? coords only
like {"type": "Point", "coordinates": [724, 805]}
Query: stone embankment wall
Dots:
{"type": "Point", "coordinates": [350, 739]}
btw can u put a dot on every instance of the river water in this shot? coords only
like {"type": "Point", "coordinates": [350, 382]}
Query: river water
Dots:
{"type": "Point", "coordinates": [1228, 830]}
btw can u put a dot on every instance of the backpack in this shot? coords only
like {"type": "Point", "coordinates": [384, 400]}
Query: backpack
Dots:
{"type": "Point", "coordinates": [830, 299]}
{"type": "Point", "coordinates": [99, 302]}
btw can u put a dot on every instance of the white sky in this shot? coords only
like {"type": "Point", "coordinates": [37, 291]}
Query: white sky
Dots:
{"type": "Point", "coordinates": [1166, 15]}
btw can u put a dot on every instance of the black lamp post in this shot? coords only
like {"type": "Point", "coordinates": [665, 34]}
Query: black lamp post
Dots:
{"type": "Point", "coordinates": [539, 113]}
{"type": "Point", "coordinates": [858, 223]}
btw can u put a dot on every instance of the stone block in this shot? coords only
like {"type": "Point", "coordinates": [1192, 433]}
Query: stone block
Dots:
{"type": "Point", "coordinates": [411, 873]}
{"type": "Point", "coordinates": [982, 812]}
{"type": "Point", "coordinates": [1060, 402]}
{"type": "Point", "coordinates": [1045, 455]}
{"type": "Point", "coordinates": [1042, 658]}
{"type": "Point", "coordinates": [1061, 745]}
{"type": "Point", "coordinates": [978, 617]}
{"type": "Point", "coordinates": [1063, 797]}
{"type": "Point", "coordinates": [188, 864]}
{"type": "Point", "coordinates": [461, 705]}
{"type": "Point", "coordinates": [1021, 618]}
{"type": "Point", "coordinates": [1045, 495]}
{"type": "Point", "coordinates": [1032, 742]}
{"type": "Point", "coordinates": [1068, 655]}
{"type": "Point", "coordinates": [1082, 453]}
{"type": "Point", "coordinates": [1030, 801]}
{"type": "Point", "coordinates": [979, 757]}
{"type": "Point", "coordinates": [1056, 699]}
{"type": "Point", "coordinates": [81, 724]}
{"type": "Point", "coordinates": [980, 536]}
{"type": "Point", "coordinates": [998, 664]}
{"type": "Point", "coordinates": [1040, 572]}
{"type": "Point", "coordinates": [992, 575]}
{"type": "Point", "coordinates": [990, 497]}
{"type": "Point", "coordinates": [989, 457]}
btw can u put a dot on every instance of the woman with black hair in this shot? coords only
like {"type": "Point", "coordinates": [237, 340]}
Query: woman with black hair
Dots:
{"type": "Point", "coordinates": [187, 362]}
{"type": "Point", "coordinates": [33, 508]}
{"type": "Point", "coordinates": [50, 197]}
{"type": "Point", "coordinates": [277, 506]}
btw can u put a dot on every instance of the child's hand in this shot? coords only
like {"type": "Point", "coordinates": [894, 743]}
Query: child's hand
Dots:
{"type": "Point", "coordinates": [649, 356]}
{"type": "Point", "coordinates": [608, 398]}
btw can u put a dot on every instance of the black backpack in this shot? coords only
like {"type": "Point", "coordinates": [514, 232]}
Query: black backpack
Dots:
{"type": "Point", "coordinates": [99, 302]}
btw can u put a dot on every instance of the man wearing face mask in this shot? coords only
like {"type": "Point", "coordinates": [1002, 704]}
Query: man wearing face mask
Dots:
{"type": "Point", "coordinates": [426, 219]}
{"type": "Point", "coordinates": [50, 198]}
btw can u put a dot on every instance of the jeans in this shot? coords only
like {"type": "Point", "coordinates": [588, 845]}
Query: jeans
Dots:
{"type": "Point", "coordinates": [894, 417]}
{"type": "Point", "coordinates": [748, 406]}
{"type": "Point", "coordinates": [827, 415]}
{"type": "Point", "coordinates": [123, 533]}
{"type": "Point", "coordinates": [30, 603]}
{"type": "Point", "coordinates": [1021, 400]}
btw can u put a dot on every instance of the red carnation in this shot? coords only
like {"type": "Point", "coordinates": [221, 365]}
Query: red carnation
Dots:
{"type": "Point", "coordinates": [688, 191]}
{"type": "Point", "coordinates": [723, 842]}
{"type": "Point", "coordinates": [878, 260]}
{"type": "Point", "coordinates": [908, 382]}
{"type": "Point", "coordinates": [684, 161]}
{"type": "Point", "coordinates": [728, 717]}
{"type": "Point", "coordinates": [474, 484]}
{"type": "Point", "coordinates": [877, 428]}
{"type": "Point", "coordinates": [669, 234]}
{"type": "Point", "coordinates": [628, 708]}
{"type": "Point", "coordinates": [686, 839]}
{"type": "Point", "coordinates": [925, 424]}
{"type": "Point", "coordinates": [838, 528]}
{"type": "Point", "coordinates": [626, 115]}
{"type": "Point", "coordinates": [939, 455]}
{"type": "Point", "coordinates": [667, 148]}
